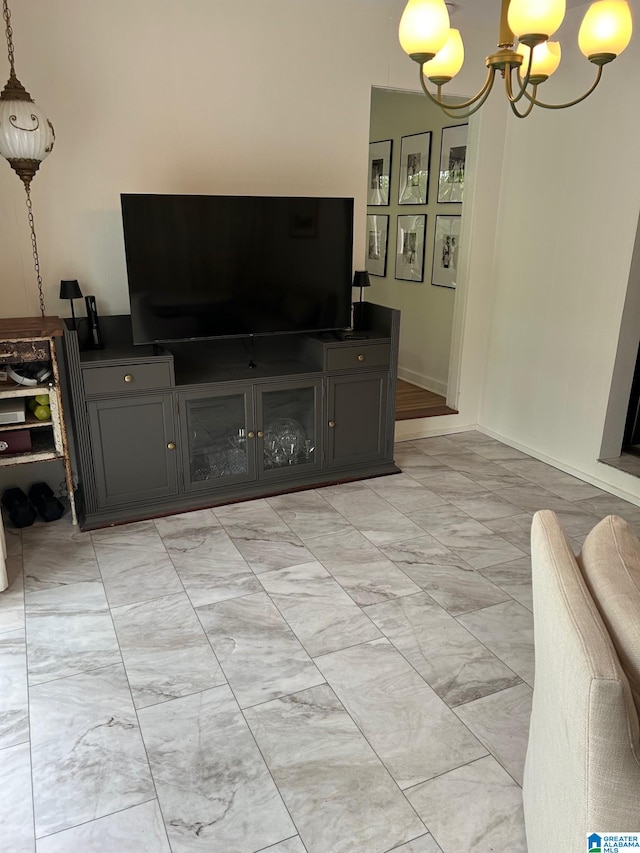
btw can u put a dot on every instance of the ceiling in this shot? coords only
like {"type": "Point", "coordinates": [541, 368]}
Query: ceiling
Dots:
{"type": "Point", "coordinates": [488, 9]}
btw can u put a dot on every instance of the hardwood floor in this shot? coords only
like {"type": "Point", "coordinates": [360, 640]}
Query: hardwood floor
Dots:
{"type": "Point", "coordinates": [415, 402]}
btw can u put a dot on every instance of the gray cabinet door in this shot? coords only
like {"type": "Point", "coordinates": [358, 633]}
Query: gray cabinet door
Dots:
{"type": "Point", "coordinates": [218, 438]}
{"type": "Point", "coordinates": [133, 446]}
{"type": "Point", "coordinates": [288, 419]}
{"type": "Point", "coordinates": [356, 418]}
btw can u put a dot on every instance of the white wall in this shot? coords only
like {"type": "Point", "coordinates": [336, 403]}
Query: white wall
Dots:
{"type": "Point", "coordinates": [568, 214]}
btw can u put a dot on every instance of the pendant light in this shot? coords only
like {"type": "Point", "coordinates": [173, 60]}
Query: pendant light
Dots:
{"type": "Point", "coordinates": [26, 137]}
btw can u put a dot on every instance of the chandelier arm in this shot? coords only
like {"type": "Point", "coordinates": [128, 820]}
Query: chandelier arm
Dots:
{"type": "Point", "coordinates": [481, 96]}
{"type": "Point", "coordinates": [538, 103]}
{"type": "Point", "coordinates": [523, 82]}
{"type": "Point", "coordinates": [530, 106]}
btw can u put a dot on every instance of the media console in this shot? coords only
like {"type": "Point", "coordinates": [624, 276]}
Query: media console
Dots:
{"type": "Point", "coordinates": [196, 424]}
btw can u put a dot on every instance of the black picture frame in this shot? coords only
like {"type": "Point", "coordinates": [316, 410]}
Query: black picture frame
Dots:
{"type": "Point", "coordinates": [415, 161]}
{"type": "Point", "coordinates": [410, 246]}
{"type": "Point", "coordinates": [379, 180]}
{"type": "Point", "coordinates": [377, 244]}
{"type": "Point", "coordinates": [453, 159]}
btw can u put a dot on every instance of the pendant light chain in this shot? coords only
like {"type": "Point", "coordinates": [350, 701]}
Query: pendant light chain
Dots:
{"type": "Point", "coordinates": [34, 244]}
{"type": "Point", "coordinates": [6, 14]}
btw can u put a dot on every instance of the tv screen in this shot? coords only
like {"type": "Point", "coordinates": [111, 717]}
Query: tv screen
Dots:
{"type": "Point", "coordinates": [220, 266]}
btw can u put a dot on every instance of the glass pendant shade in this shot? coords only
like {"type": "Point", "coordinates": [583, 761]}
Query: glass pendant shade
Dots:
{"type": "Point", "coordinates": [424, 27]}
{"type": "Point", "coordinates": [541, 17]}
{"type": "Point", "coordinates": [448, 60]}
{"type": "Point", "coordinates": [25, 131]}
{"type": "Point", "coordinates": [546, 58]}
{"type": "Point", "coordinates": [606, 28]}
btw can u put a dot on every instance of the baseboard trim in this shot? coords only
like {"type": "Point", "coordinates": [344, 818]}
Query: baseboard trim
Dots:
{"type": "Point", "coordinates": [421, 381]}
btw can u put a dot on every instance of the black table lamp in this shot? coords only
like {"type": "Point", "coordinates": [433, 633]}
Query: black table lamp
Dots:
{"type": "Point", "coordinates": [361, 280]}
{"type": "Point", "coordinates": [71, 290]}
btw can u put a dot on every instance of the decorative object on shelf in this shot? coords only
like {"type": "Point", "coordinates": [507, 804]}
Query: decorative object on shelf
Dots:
{"type": "Point", "coordinates": [70, 289]}
{"type": "Point", "coordinates": [29, 373]}
{"type": "Point", "coordinates": [95, 336]}
{"type": "Point", "coordinates": [410, 247]}
{"type": "Point", "coordinates": [379, 172]}
{"type": "Point", "coordinates": [445, 251]}
{"type": "Point", "coordinates": [377, 240]}
{"type": "Point", "coordinates": [286, 443]}
{"type": "Point", "coordinates": [427, 37]}
{"type": "Point", "coordinates": [415, 153]}
{"type": "Point", "coordinates": [453, 155]}
{"type": "Point", "coordinates": [361, 280]}
{"type": "Point", "coordinates": [26, 138]}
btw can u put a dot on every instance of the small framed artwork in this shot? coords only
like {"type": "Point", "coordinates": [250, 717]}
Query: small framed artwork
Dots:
{"type": "Point", "coordinates": [446, 251]}
{"type": "Point", "coordinates": [377, 240]}
{"type": "Point", "coordinates": [410, 247]}
{"type": "Point", "coordinates": [453, 156]}
{"type": "Point", "coordinates": [379, 172]}
{"type": "Point", "coordinates": [415, 151]}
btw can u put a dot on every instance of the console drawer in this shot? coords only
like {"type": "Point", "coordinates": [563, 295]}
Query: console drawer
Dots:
{"type": "Point", "coordinates": [361, 355]}
{"type": "Point", "coordinates": [126, 377]}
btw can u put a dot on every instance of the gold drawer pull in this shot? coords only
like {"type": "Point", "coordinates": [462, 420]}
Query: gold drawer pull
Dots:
{"type": "Point", "coordinates": [171, 446]}
{"type": "Point", "coordinates": [260, 434]}
{"type": "Point", "coordinates": [128, 378]}
{"type": "Point", "coordinates": [332, 424]}
{"type": "Point", "coordinates": [251, 434]}
{"type": "Point", "coordinates": [360, 357]}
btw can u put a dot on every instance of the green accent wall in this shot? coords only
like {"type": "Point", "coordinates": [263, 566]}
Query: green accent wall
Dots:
{"type": "Point", "coordinates": [427, 310]}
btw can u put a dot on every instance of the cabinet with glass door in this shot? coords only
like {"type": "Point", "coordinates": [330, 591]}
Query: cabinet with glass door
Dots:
{"type": "Point", "coordinates": [245, 433]}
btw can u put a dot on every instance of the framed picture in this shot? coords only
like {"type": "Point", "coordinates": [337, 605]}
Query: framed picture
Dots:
{"type": "Point", "coordinates": [377, 240]}
{"type": "Point", "coordinates": [453, 155]}
{"type": "Point", "coordinates": [379, 172]}
{"type": "Point", "coordinates": [410, 247]}
{"type": "Point", "coordinates": [415, 152]}
{"type": "Point", "coordinates": [445, 251]}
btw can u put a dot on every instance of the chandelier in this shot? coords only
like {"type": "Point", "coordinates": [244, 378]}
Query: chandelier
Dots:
{"type": "Point", "coordinates": [26, 137]}
{"type": "Point", "coordinates": [427, 37]}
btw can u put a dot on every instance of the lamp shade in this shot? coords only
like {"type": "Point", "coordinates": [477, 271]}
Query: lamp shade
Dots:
{"type": "Point", "coordinates": [361, 279]}
{"type": "Point", "coordinates": [542, 17]}
{"type": "Point", "coordinates": [546, 58]}
{"type": "Point", "coordinates": [423, 27]}
{"type": "Point", "coordinates": [606, 28]}
{"type": "Point", "coordinates": [448, 60]}
{"type": "Point", "coordinates": [70, 289]}
{"type": "Point", "coordinates": [26, 134]}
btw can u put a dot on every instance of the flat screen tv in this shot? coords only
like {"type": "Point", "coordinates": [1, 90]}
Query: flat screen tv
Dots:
{"type": "Point", "coordinates": [222, 266]}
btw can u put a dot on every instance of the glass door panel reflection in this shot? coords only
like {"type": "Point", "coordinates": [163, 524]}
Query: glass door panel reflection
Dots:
{"type": "Point", "coordinates": [217, 439]}
{"type": "Point", "coordinates": [289, 418]}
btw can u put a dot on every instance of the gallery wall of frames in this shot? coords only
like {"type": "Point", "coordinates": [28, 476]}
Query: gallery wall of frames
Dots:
{"type": "Point", "coordinates": [415, 191]}
{"type": "Point", "coordinates": [415, 195]}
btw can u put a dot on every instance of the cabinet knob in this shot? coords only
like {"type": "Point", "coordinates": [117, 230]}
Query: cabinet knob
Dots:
{"type": "Point", "coordinates": [251, 434]}
{"type": "Point", "coordinates": [128, 378]}
{"type": "Point", "coordinates": [171, 446]}
{"type": "Point", "coordinates": [260, 434]}
{"type": "Point", "coordinates": [332, 424]}
{"type": "Point", "coordinates": [360, 357]}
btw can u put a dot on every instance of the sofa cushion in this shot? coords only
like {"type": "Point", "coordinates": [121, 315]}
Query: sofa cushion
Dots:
{"type": "Point", "coordinates": [610, 563]}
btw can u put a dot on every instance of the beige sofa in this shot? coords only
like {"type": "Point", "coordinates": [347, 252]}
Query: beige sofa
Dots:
{"type": "Point", "coordinates": [582, 772]}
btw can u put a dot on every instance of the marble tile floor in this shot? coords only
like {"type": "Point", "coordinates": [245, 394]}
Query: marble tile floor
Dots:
{"type": "Point", "coordinates": [343, 670]}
